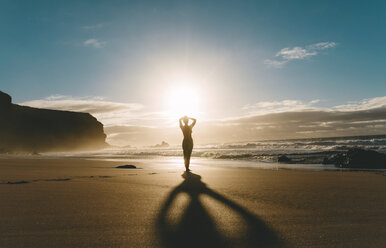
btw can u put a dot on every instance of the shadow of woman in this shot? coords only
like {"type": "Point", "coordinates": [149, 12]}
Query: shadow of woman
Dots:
{"type": "Point", "coordinates": [196, 227]}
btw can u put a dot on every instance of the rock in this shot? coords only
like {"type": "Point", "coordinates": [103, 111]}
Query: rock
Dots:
{"type": "Point", "coordinates": [18, 182]}
{"type": "Point", "coordinates": [250, 145]}
{"type": "Point", "coordinates": [33, 130]}
{"type": "Point", "coordinates": [326, 160]}
{"type": "Point", "coordinates": [5, 100]}
{"type": "Point", "coordinates": [358, 158]}
{"type": "Point", "coordinates": [284, 159]}
{"type": "Point", "coordinates": [163, 144]}
{"type": "Point", "coordinates": [126, 166]}
{"type": "Point", "coordinates": [336, 159]}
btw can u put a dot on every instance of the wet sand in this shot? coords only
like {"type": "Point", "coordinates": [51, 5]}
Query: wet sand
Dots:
{"type": "Point", "coordinates": [87, 203]}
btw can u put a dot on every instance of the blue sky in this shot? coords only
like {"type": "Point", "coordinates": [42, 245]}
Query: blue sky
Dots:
{"type": "Point", "coordinates": [122, 51]}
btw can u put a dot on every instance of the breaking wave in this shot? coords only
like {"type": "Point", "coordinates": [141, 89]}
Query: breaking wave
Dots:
{"type": "Point", "coordinates": [311, 151]}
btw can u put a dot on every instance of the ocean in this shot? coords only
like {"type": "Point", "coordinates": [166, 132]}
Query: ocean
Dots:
{"type": "Point", "coordinates": [305, 153]}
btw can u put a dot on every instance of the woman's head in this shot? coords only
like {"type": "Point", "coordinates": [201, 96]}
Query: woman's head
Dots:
{"type": "Point", "coordinates": [185, 119]}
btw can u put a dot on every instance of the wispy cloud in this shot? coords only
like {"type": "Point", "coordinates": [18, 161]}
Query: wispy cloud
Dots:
{"type": "Point", "coordinates": [297, 119]}
{"type": "Point", "coordinates": [275, 63]}
{"type": "Point", "coordinates": [92, 105]}
{"type": "Point", "coordinates": [322, 45]}
{"type": "Point", "coordinates": [306, 123]}
{"type": "Point", "coordinates": [266, 107]}
{"type": "Point", "coordinates": [94, 43]}
{"type": "Point", "coordinates": [129, 123]}
{"type": "Point", "coordinates": [372, 103]}
{"type": "Point", "coordinates": [95, 26]}
{"type": "Point", "coordinates": [107, 112]}
{"type": "Point", "coordinates": [297, 53]}
{"type": "Point", "coordinates": [270, 120]}
{"type": "Point", "coordinates": [274, 120]}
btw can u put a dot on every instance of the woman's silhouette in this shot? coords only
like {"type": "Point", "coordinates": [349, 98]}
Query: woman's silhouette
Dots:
{"type": "Point", "coordinates": [187, 143]}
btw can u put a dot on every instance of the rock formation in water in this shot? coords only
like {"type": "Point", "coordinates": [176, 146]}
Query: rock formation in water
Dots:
{"type": "Point", "coordinates": [26, 129]}
{"type": "Point", "coordinates": [358, 158]}
{"type": "Point", "coordinates": [284, 159]}
{"type": "Point", "coordinates": [162, 145]}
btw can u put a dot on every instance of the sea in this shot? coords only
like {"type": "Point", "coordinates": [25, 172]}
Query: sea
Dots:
{"type": "Point", "coordinates": [304, 153]}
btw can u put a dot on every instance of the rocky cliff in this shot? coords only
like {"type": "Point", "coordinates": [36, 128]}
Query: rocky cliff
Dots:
{"type": "Point", "coordinates": [26, 129]}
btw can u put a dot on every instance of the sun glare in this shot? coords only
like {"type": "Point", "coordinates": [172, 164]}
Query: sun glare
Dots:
{"type": "Point", "coordinates": [183, 100]}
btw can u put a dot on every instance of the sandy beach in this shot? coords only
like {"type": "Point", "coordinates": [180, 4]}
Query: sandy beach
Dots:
{"type": "Point", "coordinates": [89, 203]}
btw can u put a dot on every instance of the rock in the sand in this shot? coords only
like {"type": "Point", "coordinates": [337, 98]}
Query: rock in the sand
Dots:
{"type": "Point", "coordinates": [284, 159]}
{"type": "Point", "coordinates": [358, 158]}
{"type": "Point", "coordinates": [336, 159]}
{"type": "Point", "coordinates": [126, 166]}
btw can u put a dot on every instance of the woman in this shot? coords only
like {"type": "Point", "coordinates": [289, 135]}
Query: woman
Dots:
{"type": "Point", "coordinates": [187, 143]}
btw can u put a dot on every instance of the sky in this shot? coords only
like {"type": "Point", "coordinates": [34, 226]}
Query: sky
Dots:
{"type": "Point", "coordinates": [248, 70]}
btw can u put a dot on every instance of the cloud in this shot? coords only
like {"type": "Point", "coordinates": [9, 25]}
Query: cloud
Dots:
{"type": "Point", "coordinates": [129, 123]}
{"type": "Point", "coordinates": [322, 45]}
{"type": "Point", "coordinates": [94, 43]}
{"type": "Point", "coordinates": [265, 107]}
{"type": "Point", "coordinates": [297, 119]}
{"type": "Point", "coordinates": [275, 63]}
{"type": "Point", "coordinates": [377, 102]}
{"type": "Point", "coordinates": [110, 114]}
{"type": "Point", "coordinates": [140, 135]}
{"type": "Point", "coordinates": [268, 120]}
{"type": "Point", "coordinates": [96, 26]}
{"type": "Point", "coordinates": [298, 53]}
{"type": "Point", "coordinates": [304, 124]}
{"type": "Point", "coordinates": [295, 53]}
{"type": "Point", "coordinates": [89, 105]}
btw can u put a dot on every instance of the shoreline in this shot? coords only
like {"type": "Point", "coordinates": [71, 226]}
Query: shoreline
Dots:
{"type": "Point", "coordinates": [211, 162]}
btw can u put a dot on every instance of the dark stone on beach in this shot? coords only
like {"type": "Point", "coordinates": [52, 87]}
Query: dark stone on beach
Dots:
{"type": "Point", "coordinates": [338, 159]}
{"type": "Point", "coordinates": [358, 158]}
{"type": "Point", "coordinates": [326, 160]}
{"type": "Point", "coordinates": [18, 182]}
{"type": "Point", "coordinates": [126, 166]}
{"type": "Point", "coordinates": [284, 159]}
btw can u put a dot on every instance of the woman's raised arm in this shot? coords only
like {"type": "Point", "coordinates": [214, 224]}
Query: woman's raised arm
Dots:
{"type": "Point", "coordinates": [193, 123]}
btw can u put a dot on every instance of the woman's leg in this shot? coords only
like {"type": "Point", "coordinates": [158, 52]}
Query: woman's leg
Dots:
{"type": "Point", "coordinates": [187, 147]}
{"type": "Point", "coordinates": [188, 154]}
{"type": "Point", "coordinates": [187, 163]}
{"type": "Point", "coordinates": [186, 159]}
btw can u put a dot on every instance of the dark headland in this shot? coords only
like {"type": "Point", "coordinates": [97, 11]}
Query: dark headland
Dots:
{"type": "Point", "coordinates": [33, 130]}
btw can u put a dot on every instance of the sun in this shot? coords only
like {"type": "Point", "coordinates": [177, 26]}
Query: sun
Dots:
{"type": "Point", "coordinates": [183, 100]}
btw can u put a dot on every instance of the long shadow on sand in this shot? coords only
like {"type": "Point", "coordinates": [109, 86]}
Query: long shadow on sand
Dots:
{"type": "Point", "coordinates": [196, 228]}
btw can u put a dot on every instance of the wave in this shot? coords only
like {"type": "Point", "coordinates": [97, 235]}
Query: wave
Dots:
{"type": "Point", "coordinates": [310, 151]}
